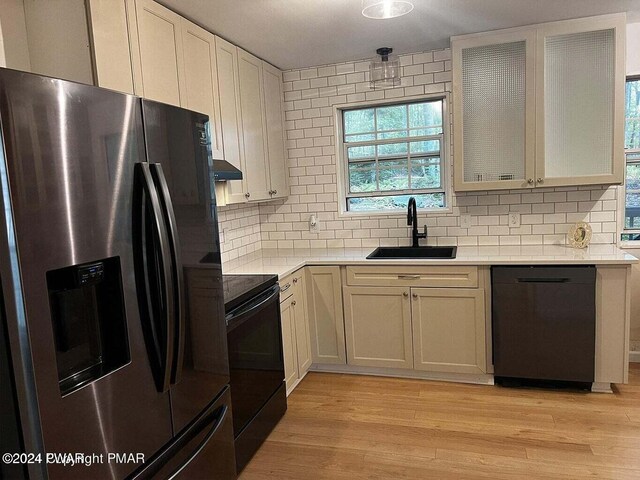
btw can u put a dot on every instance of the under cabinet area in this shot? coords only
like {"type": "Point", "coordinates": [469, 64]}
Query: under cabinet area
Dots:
{"type": "Point", "coordinates": [517, 95]}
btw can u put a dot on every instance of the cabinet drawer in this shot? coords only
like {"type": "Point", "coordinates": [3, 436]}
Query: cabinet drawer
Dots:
{"type": "Point", "coordinates": [286, 287]}
{"type": "Point", "coordinates": [418, 276]}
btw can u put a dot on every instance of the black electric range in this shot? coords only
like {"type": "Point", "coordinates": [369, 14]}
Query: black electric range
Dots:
{"type": "Point", "coordinates": [240, 288]}
{"type": "Point", "coordinates": [256, 361]}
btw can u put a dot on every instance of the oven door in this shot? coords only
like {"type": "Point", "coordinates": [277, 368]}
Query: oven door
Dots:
{"type": "Point", "coordinates": [254, 338]}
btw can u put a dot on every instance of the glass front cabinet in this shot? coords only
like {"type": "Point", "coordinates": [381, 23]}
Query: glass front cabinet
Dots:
{"type": "Point", "coordinates": [540, 106]}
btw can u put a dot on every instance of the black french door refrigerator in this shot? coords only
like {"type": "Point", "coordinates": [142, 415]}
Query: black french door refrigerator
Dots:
{"type": "Point", "coordinates": [112, 284]}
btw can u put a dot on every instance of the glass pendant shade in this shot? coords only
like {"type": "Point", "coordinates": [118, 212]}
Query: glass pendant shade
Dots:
{"type": "Point", "coordinates": [384, 70]}
{"type": "Point", "coordinates": [383, 9]}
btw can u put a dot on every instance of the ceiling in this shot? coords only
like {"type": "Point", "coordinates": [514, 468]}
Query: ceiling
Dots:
{"type": "Point", "coordinates": [302, 33]}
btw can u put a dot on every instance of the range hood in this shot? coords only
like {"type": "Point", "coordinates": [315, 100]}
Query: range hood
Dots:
{"type": "Point", "coordinates": [223, 171]}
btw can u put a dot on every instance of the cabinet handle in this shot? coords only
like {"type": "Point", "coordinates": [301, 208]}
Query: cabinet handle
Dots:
{"type": "Point", "coordinates": [275, 192]}
{"type": "Point", "coordinates": [247, 194]}
{"type": "Point", "coordinates": [408, 277]}
{"type": "Point", "coordinates": [285, 287]}
{"type": "Point", "coordinates": [530, 181]}
{"type": "Point", "coordinates": [405, 294]}
{"type": "Point", "coordinates": [293, 303]}
{"type": "Point", "coordinates": [295, 280]}
{"type": "Point", "coordinates": [414, 295]}
{"type": "Point", "coordinates": [540, 180]}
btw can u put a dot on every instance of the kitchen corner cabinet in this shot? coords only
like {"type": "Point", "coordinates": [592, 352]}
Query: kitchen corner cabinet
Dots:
{"type": "Point", "coordinates": [296, 345]}
{"type": "Point", "coordinates": [448, 329]}
{"type": "Point", "coordinates": [377, 324]}
{"type": "Point", "coordinates": [540, 106]}
{"type": "Point", "coordinates": [326, 317]}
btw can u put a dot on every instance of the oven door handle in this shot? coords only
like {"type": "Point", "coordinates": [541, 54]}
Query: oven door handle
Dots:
{"type": "Point", "coordinates": [239, 315]}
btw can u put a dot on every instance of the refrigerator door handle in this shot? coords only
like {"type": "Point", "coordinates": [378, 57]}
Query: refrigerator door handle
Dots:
{"type": "Point", "coordinates": [222, 414]}
{"type": "Point", "coordinates": [170, 221]}
{"type": "Point", "coordinates": [164, 259]}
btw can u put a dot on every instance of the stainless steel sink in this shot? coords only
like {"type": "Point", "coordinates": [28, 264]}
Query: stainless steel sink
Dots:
{"type": "Point", "coordinates": [413, 252]}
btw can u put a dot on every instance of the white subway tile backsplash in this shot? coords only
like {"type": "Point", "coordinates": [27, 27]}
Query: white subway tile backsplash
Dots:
{"type": "Point", "coordinates": [310, 96]}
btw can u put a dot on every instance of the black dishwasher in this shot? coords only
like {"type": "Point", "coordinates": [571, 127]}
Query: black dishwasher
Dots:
{"type": "Point", "coordinates": [544, 322]}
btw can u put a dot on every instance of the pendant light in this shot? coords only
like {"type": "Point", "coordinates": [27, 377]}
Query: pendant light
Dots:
{"type": "Point", "coordinates": [383, 9]}
{"type": "Point", "coordinates": [384, 70]}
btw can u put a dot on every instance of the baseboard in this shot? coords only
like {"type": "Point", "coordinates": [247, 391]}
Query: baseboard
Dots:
{"type": "Point", "coordinates": [634, 356]}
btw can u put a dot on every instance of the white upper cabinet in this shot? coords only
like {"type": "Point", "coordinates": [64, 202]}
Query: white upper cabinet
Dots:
{"type": "Point", "coordinates": [580, 102]}
{"type": "Point", "coordinates": [540, 105]}
{"type": "Point", "coordinates": [201, 86]}
{"type": "Point", "coordinates": [494, 110]}
{"type": "Point", "coordinates": [227, 59]}
{"type": "Point", "coordinates": [274, 121]}
{"type": "Point", "coordinates": [253, 127]}
{"type": "Point", "coordinates": [161, 53]}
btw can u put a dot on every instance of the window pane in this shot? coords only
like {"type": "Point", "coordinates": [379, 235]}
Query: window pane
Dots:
{"type": "Point", "coordinates": [425, 172]}
{"type": "Point", "coordinates": [396, 134]}
{"type": "Point", "coordinates": [359, 121]}
{"type": "Point", "coordinates": [360, 152]}
{"type": "Point", "coordinates": [427, 114]}
{"type": "Point", "coordinates": [633, 176]}
{"type": "Point", "coordinates": [632, 211]}
{"type": "Point", "coordinates": [632, 134]}
{"type": "Point", "coordinates": [362, 177]}
{"type": "Point", "coordinates": [394, 202]}
{"type": "Point", "coordinates": [632, 98]}
{"type": "Point", "coordinates": [392, 149]}
{"type": "Point", "coordinates": [392, 118]}
{"type": "Point", "coordinates": [360, 138]}
{"type": "Point", "coordinates": [428, 146]}
{"type": "Point", "coordinates": [393, 175]}
{"type": "Point", "coordinates": [419, 132]}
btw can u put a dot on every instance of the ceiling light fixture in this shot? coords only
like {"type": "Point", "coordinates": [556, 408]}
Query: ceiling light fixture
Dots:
{"type": "Point", "coordinates": [384, 70]}
{"type": "Point", "coordinates": [383, 9]}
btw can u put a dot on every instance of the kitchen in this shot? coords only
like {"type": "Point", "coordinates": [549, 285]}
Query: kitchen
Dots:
{"type": "Point", "coordinates": [503, 344]}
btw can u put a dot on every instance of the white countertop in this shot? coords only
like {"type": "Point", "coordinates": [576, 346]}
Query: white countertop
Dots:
{"type": "Point", "coordinates": [285, 261]}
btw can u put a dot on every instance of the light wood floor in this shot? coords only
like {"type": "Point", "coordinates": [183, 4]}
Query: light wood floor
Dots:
{"type": "Point", "coordinates": [357, 427]}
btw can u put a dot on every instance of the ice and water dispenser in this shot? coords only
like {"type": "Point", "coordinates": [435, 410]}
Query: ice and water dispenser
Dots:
{"type": "Point", "coordinates": [89, 321]}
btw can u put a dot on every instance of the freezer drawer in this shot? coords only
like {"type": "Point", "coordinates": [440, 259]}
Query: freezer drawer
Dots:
{"type": "Point", "coordinates": [204, 449]}
{"type": "Point", "coordinates": [544, 322]}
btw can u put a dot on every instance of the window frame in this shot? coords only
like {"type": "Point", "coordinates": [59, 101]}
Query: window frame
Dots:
{"type": "Point", "coordinates": [628, 152]}
{"type": "Point", "coordinates": [342, 162]}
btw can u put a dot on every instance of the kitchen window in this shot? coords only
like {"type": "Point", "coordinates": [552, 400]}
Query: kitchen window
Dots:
{"type": "Point", "coordinates": [632, 153]}
{"type": "Point", "coordinates": [391, 152]}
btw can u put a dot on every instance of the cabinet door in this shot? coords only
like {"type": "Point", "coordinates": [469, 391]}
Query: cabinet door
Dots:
{"type": "Point", "coordinates": [111, 50]}
{"type": "Point", "coordinates": [253, 131]}
{"type": "Point", "coordinates": [378, 326]}
{"type": "Point", "coordinates": [580, 108]}
{"type": "Point", "coordinates": [289, 345]}
{"type": "Point", "coordinates": [160, 46]}
{"type": "Point", "coordinates": [274, 121]}
{"type": "Point", "coordinates": [326, 318]}
{"type": "Point", "coordinates": [448, 329]}
{"type": "Point", "coordinates": [227, 59]}
{"type": "Point", "coordinates": [301, 322]}
{"type": "Point", "coordinates": [201, 79]}
{"type": "Point", "coordinates": [494, 110]}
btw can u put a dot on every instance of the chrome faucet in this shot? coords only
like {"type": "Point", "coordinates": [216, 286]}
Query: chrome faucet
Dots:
{"type": "Point", "coordinates": [412, 219]}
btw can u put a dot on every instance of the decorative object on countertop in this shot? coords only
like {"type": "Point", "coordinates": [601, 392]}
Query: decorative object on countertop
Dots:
{"type": "Point", "coordinates": [579, 235]}
{"type": "Point", "coordinates": [384, 72]}
{"type": "Point", "coordinates": [384, 9]}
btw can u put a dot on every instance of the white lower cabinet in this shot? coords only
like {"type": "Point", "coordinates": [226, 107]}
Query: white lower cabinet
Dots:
{"type": "Point", "coordinates": [296, 346]}
{"type": "Point", "coordinates": [448, 330]}
{"type": "Point", "coordinates": [378, 326]}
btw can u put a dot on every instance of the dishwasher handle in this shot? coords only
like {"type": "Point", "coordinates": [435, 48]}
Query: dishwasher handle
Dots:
{"type": "Point", "coordinates": [544, 280]}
